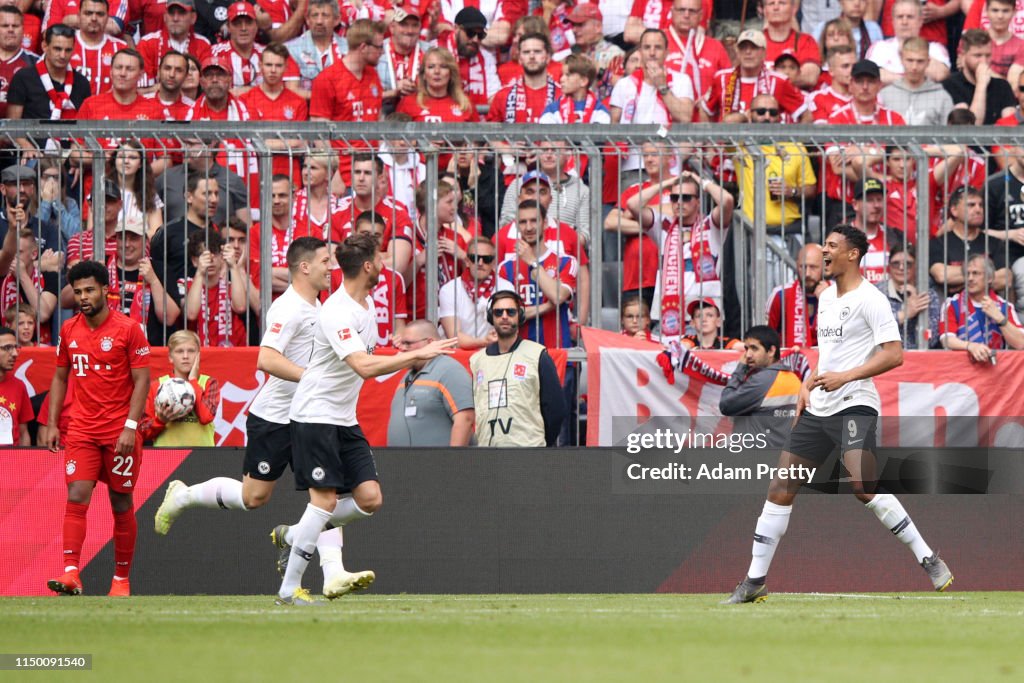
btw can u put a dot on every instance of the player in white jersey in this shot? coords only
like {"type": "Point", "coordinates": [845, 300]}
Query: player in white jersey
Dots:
{"type": "Point", "coordinates": [331, 457]}
{"type": "Point", "coordinates": [858, 338]}
{"type": "Point", "coordinates": [284, 351]}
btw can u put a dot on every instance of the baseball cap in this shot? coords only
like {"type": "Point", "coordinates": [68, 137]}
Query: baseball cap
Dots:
{"type": "Point", "coordinates": [187, 4]}
{"type": "Point", "coordinates": [241, 9]}
{"type": "Point", "coordinates": [470, 17]}
{"type": "Point", "coordinates": [786, 56]}
{"type": "Point", "coordinates": [133, 225]}
{"type": "Point", "coordinates": [17, 173]}
{"type": "Point", "coordinates": [403, 13]}
{"type": "Point", "coordinates": [536, 175]}
{"type": "Point", "coordinates": [111, 190]}
{"type": "Point", "coordinates": [219, 61]}
{"type": "Point", "coordinates": [866, 67]}
{"type": "Point", "coordinates": [866, 186]}
{"type": "Point", "coordinates": [752, 36]}
{"type": "Point", "coordinates": [701, 303]}
{"type": "Point", "coordinates": [584, 11]}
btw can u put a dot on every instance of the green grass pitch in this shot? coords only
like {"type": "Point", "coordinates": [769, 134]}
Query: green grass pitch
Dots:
{"type": "Point", "coordinates": [494, 638]}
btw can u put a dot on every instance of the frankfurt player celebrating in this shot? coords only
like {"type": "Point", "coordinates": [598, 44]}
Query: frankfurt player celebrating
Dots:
{"type": "Point", "coordinates": [109, 355]}
{"type": "Point", "coordinates": [286, 345]}
{"type": "Point", "coordinates": [858, 338]}
{"type": "Point", "coordinates": [330, 454]}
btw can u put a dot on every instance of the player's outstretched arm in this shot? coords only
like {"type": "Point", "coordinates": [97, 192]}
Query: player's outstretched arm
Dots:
{"type": "Point", "coordinates": [888, 356]}
{"type": "Point", "coordinates": [367, 366]}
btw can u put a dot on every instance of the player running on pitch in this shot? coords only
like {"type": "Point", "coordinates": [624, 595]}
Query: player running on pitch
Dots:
{"type": "Point", "coordinates": [858, 338]}
{"type": "Point", "coordinates": [331, 455]}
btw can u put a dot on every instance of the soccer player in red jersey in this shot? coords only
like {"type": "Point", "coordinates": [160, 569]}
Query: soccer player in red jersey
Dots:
{"type": "Point", "coordinates": [109, 355]}
{"type": "Point", "coordinates": [350, 89]}
{"type": "Point", "coordinates": [94, 49]}
{"type": "Point", "coordinates": [177, 34]}
{"type": "Point", "coordinates": [15, 406]}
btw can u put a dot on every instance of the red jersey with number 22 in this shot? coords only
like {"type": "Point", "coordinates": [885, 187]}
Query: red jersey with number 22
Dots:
{"type": "Point", "coordinates": [100, 362]}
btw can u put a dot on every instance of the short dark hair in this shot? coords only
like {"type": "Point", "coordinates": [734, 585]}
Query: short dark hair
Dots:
{"type": "Point", "coordinates": [360, 157]}
{"type": "Point", "coordinates": [766, 336]}
{"type": "Point", "coordinates": [855, 237]}
{"type": "Point", "coordinates": [174, 53]}
{"type": "Point", "coordinates": [901, 247]}
{"type": "Point", "coordinates": [354, 252]}
{"type": "Point", "coordinates": [302, 249]}
{"type": "Point", "coordinates": [961, 117]}
{"type": "Point", "coordinates": [6, 330]}
{"type": "Point", "coordinates": [83, 270]}
{"type": "Point", "coordinates": [960, 193]}
{"type": "Point", "coordinates": [105, 3]}
{"type": "Point", "coordinates": [59, 30]}
{"type": "Point", "coordinates": [369, 217]}
{"type": "Point", "coordinates": [200, 241]}
{"type": "Point", "coordinates": [11, 9]}
{"type": "Point", "coordinates": [582, 66]}
{"type": "Point", "coordinates": [975, 37]}
{"type": "Point", "coordinates": [633, 300]}
{"type": "Point", "coordinates": [658, 31]}
{"type": "Point", "coordinates": [276, 49]}
{"type": "Point", "coordinates": [135, 54]}
{"type": "Point", "coordinates": [532, 204]}
{"type": "Point", "coordinates": [279, 177]}
{"type": "Point", "coordinates": [193, 179]}
{"type": "Point", "coordinates": [236, 223]}
{"type": "Point", "coordinates": [536, 36]}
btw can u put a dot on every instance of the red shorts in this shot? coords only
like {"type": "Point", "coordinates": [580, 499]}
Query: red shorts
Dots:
{"type": "Point", "coordinates": [89, 459]}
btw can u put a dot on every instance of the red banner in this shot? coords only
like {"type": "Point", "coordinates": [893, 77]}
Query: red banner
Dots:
{"type": "Point", "coordinates": [240, 381]}
{"type": "Point", "coordinates": [624, 381]}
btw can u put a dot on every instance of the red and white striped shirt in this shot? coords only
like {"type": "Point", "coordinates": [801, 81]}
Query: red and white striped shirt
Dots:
{"type": "Point", "coordinates": [94, 62]}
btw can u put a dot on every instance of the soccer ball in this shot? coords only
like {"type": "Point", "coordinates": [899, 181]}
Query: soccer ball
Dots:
{"type": "Point", "coordinates": [176, 397]}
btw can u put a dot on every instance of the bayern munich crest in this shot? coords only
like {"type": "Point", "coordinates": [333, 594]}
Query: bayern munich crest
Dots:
{"type": "Point", "coordinates": [70, 467]}
{"type": "Point", "coordinates": [107, 343]}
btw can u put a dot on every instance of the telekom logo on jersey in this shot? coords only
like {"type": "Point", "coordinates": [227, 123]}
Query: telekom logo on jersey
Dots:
{"type": "Point", "coordinates": [80, 361]}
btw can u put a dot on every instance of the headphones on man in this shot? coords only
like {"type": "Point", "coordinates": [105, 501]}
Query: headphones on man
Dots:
{"type": "Point", "coordinates": [506, 294]}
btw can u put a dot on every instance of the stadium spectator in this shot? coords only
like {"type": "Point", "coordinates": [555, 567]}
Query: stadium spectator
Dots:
{"type": "Point", "coordinates": [403, 166]}
{"type": "Point", "coordinates": [907, 303]}
{"type": "Point", "coordinates": [989, 98]}
{"type": "Point", "coordinates": [438, 96]}
{"type": "Point", "coordinates": [787, 66]}
{"type": "Point", "coordinates": [19, 208]}
{"type": "Point", "coordinates": [369, 193]}
{"type": "Point", "coordinates": [526, 98]}
{"type": "Point", "coordinates": [214, 302]}
{"type": "Point", "coordinates": [22, 318]}
{"type": "Point", "coordinates": [462, 301]}
{"type": "Point", "coordinates": [513, 412]}
{"type": "Point", "coordinates": [567, 197]}
{"type": "Point", "coordinates": [732, 90]}
{"type": "Point", "coordinates": [121, 101]}
{"type": "Point", "coordinates": [201, 158]}
{"type": "Point", "coordinates": [15, 406]}
{"type": "Point", "coordinates": [433, 405]}
{"type": "Point", "coordinates": [555, 18]}
{"type": "Point", "coordinates": [102, 438]}
{"type": "Point", "coordinates": [349, 89]}
{"type": "Point", "coordinates": [177, 33]}
{"type": "Point", "coordinates": [657, 14]}
{"type": "Point", "coordinates": [962, 236]}
{"type": "Point", "coordinates": [789, 173]}
{"type": "Point", "coordinates": [139, 201]}
{"type": "Point", "coordinates": [478, 67]}
{"type": "Point", "coordinates": [169, 246]}
{"type": "Point", "coordinates": [793, 308]}
{"type": "Point", "coordinates": [475, 172]}
{"type": "Point", "coordinates": [635, 319]}
{"type": "Point", "coordinates": [512, 69]}
{"type": "Point", "coordinates": [1007, 48]}
{"type": "Point", "coordinates": [403, 56]}
{"type": "Point", "coordinates": [240, 50]}
{"type": "Point", "coordinates": [55, 206]}
{"type": "Point", "coordinates": [135, 289]}
{"type": "Point", "coordinates": [281, 234]}
{"type": "Point", "coordinates": [689, 241]}
{"type": "Point", "coordinates": [888, 54]}
{"type": "Point", "coordinates": [94, 47]}
{"type": "Point", "coordinates": [316, 212]}
{"type": "Point", "coordinates": [270, 100]}
{"type": "Point", "coordinates": [836, 94]}
{"type": "Point", "coordinates": [587, 24]}
{"type": "Point", "coordinates": [783, 38]}
{"type": "Point", "coordinates": [188, 426]}
{"type": "Point", "coordinates": [282, 20]}
{"type": "Point", "coordinates": [32, 279]}
{"type": "Point", "coordinates": [497, 17]}
{"type": "Point", "coordinates": [706, 319]}
{"type": "Point", "coordinates": [1015, 119]}
{"type": "Point", "coordinates": [865, 32]}
{"type": "Point", "coordinates": [319, 46]}
{"type": "Point", "coordinates": [912, 93]}
{"type": "Point", "coordinates": [869, 208]}
{"type": "Point", "coordinates": [578, 102]}
{"type": "Point", "coordinates": [50, 91]}
{"type": "Point", "coordinates": [168, 95]}
{"type": "Point", "coordinates": [978, 320]}
{"type": "Point", "coordinates": [834, 33]}
{"type": "Point", "coordinates": [389, 295]}
{"type": "Point", "coordinates": [192, 88]}
{"type": "Point", "coordinates": [242, 263]}
{"type": "Point", "coordinates": [13, 56]}
{"type": "Point", "coordinates": [934, 14]}
{"type": "Point", "coordinates": [901, 199]}
{"type": "Point", "coordinates": [1005, 192]}
{"type": "Point", "coordinates": [690, 48]}
{"type": "Point", "coordinates": [31, 31]}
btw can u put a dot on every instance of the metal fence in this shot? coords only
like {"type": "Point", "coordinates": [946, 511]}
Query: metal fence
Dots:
{"type": "Point", "coordinates": [756, 255]}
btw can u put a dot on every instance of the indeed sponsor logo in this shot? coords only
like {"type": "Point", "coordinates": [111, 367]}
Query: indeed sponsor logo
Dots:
{"type": "Point", "coordinates": [829, 332]}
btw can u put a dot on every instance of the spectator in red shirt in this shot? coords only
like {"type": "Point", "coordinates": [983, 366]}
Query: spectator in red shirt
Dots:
{"type": "Point", "coordinates": [1007, 48]}
{"type": "Point", "coordinates": [316, 211]}
{"type": "Point", "coordinates": [123, 101]}
{"type": "Point", "coordinates": [241, 48]}
{"type": "Point", "coordinates": [13, 56]}
{"type": "Point", "coordinates": [403, 56]}
{"type": "Point", "coordinates": [833, 33]}
{"type": "Point", "coordinates": [656, 14]}
{"type": "Point", "coordinates": [169, 97]}
{"type": "Point", "coordinates": [477, 66]}
{"type": "Point", "coordinates": [784, 39]}
{"type": "Point", "coordinates": [94, 48]}
{"type": "Point", "coordinates": [177, 34]}
{"type": "Point", "coordinates": [15, 406]}
{"type": "Point", "coordinates": [635, 319]}
{"type": "Point", "coordinates": [30, 32]}
{"type": "Point", "coordinates": [272, 101]}
{"type": "Point", "coordinates": [691, 49]}
{"type": "Point", "coordinates": [513, 69]}
{"type": "Point", "coordinates": [526, 98]}
{"type": "Point", "coordinates": [439, 96]}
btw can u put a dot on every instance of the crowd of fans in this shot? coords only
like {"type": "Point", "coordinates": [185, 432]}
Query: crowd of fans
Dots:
{"type": "Point", "coordinates": [181, 217]}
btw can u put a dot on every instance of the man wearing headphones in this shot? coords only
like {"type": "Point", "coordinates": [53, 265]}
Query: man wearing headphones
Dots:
{"type": "Point", "coordinates": [518, 397]}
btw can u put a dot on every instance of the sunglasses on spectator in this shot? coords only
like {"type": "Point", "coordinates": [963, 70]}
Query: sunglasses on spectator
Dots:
{"type": "Point", "coordinates": [474, 33]}
{"type": "Point", "coordinates": [481, 258]}
{"type": "Point", "coordinates": [682, 197]}
{"type": "Point", "coordinates": [765, 111]}
{"type": "Point", "coordinates": [1020, 88]}
{"type": "Point", "coordinates": [501, 312]}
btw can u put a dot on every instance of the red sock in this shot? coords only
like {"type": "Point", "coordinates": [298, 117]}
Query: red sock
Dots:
{"type": "Point", "coordinates": [125, 530]}
{"type": "Point", "coordinates": [74, 532]}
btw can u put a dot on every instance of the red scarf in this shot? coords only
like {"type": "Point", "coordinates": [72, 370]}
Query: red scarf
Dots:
{"type": "Point", "coordinates": [11, 288]}
{"type": "Point", "coordinates": [688, 52]}
{"type": "Point", "coordinates": [672, 268]}
{"type": "Point", "coordinates": [474, 81]}
{"type": "Point", "coordinates": [478, 289]}
{"type": "Point", "coordinates": [306, 222]}
{"type": "Point", "coordinates": [515, 101]}
{"type": "Point", "coordinates": [799, 316]}
{"type": "Point", "coordinates": [731, 100]}
{"type": "Point", "coordinates": [61, 105]}
{"type": "Point", "coordinates": [567, 109]}
{"type": "Point", "coordinates": [224, 314]}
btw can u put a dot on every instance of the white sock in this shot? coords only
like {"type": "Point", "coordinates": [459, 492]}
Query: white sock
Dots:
{"type": "Point", "coordinates": [329, 545]}
{"type": "Point", "coordinates": [771, 527]}
{"type": "Point", "coordinates": [347, 511]}
{"type": "Point", "coordinates": [219, 492]}
{"type": "Point", "coordinates": [891, 513]}
{"type": "Point", "coordinates": [304, 535]}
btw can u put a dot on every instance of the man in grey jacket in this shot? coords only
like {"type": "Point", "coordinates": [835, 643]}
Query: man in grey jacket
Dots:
{"type": "Point", "coordinates": [920, 100]}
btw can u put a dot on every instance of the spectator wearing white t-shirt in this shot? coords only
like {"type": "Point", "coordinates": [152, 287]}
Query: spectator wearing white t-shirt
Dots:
{"type": "Point", "coordinates": [462, 301]}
